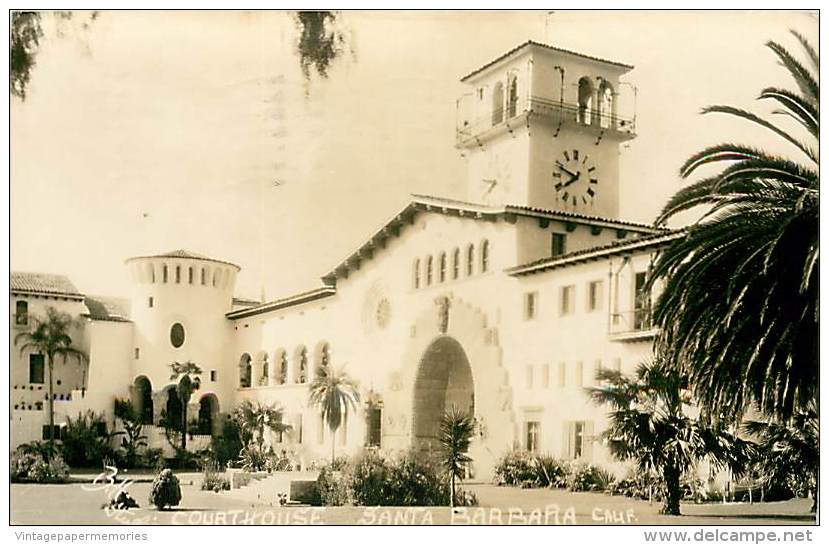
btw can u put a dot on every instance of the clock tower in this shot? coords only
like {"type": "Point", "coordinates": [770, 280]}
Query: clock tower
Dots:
{"type": "Point", "coordinates": [541, 126]}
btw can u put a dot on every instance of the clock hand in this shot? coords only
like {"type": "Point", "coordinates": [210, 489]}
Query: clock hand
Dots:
{"type": "Point", "coordinates": [571, 173]}
{"type": "Point", "coordinates": [572, 180]}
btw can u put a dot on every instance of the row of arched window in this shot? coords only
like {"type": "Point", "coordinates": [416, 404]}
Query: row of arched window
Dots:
{"type": "Point", "coordinates": [218, 277]}
{"type": "Point", "coordinates": [595, 106]}
{"type": "Point", "coordinates": [281, 371]}
{"type": "Point", "coordinates": [450, 266]}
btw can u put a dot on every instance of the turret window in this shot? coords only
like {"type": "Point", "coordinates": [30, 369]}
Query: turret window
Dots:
{"type": "Point", "coordinates": [497, 103]}
{"type": "Point", "coordinates": [585, 110]}
{"type": "Point", "coordinates": [442, 268]}
{"type": "Point", "coordinates": [456, 263]}
{"type": "Point", "coordinates": [484, 256]}
{"type": "Point", "coordinates": [416, 274]}
{"type": "Point", "coordinates": [470, 260]}
{"type": "Point", "coordinates": [21, 313]}
{"type": "Point", "coordinates": [429, 264]}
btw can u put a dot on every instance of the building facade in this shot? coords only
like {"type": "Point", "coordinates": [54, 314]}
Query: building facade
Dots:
{"type": "Point", "coordinates": [505, 304]}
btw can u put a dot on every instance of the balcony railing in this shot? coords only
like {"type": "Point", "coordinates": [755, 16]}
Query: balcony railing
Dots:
{"type": "Point", "coordinates": [556, 111]}
{"type": "Point", "coordinates": [632, 325]}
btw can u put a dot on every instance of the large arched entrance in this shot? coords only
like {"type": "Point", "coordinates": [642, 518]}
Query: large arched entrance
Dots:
{"type": "Point", "coordinates": [444, 380]}
{"type": "Point", "coordinates": [142, 399]}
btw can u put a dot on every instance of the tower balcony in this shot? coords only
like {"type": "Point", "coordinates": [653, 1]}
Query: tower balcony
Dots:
{"type": "Point", "coordinates": [521, 112]}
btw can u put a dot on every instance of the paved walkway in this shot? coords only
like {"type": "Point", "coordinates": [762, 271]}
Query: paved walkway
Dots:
{"type": "Point", "coordinates": [80, 503]}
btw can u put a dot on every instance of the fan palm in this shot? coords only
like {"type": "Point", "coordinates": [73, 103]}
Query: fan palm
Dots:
{"type": "Point", "coordinates": [187, 375]}
{"type": "Point", "coordinates": [254, 419]}
{"type": "Point", "coordinates": [50, 337]}
{"type": "Point", "coordinates": [333, 392]}
{"type": "Point", "coordinates": [649, 423]}
{"type": "Point", "coordinates": [788, 451]}
{"type": "Point", "coordinates": [739, 310]}
{"type": "Point", "coordinates": [456, 429]}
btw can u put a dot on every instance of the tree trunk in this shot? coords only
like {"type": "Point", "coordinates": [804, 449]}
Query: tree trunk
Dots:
{"type": "Point", "coordinates": [51, 405]}
{"type": "Point", "coordinates": [183, 427]}
{"type": "Point", "coordinates": [452, 492]}
{"type": "Point", "coordinates": [672, 491]}
{"type": "Point", "coordinates": [333, 443]}
{"type": "Point", "coordinates": [814, 494]}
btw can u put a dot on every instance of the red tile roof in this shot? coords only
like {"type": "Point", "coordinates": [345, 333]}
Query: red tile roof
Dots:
{"type": "Point", "coordinates": [185, 254]}
{"type": "Point", "coordinates": [42, 283]}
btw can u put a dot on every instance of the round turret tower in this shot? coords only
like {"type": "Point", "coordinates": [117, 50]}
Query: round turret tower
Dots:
{"type": "Point", "coordinates": [179, 302]}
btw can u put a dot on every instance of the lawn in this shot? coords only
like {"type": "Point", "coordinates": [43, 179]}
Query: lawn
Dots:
{"type": "Point", "coordinates": [76, 504]}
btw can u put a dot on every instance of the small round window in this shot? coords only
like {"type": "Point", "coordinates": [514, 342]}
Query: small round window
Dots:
{"type": "Point", "coordinates": [177, 335]}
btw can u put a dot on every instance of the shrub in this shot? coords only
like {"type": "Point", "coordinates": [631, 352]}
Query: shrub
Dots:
{"type": "Point", "coordinates": [333, 484]}
{"type": "Point", "coordinates": [550, 471]}
{"type": "Point", "coordinates": [30, 465]}
{"type": "Point", "coordinates": [226, 448]}
{"type": "Point", "coordinates": [213, 480]}
{"type": "Point", "coordinates": [86, 441]}
{"type": "Point", "coordinates": [516, 467]}
{"type": "Point", "coordinates": [255, 457]}
{"type": "Point", "coordinates": [465, 498]}
{"type": "Point", "coordinates": [166, 490]}
{"type": "Point", "coordinates": [121, 501]}
{"type": "Point", "coordinates": [371, 480]}
{"type": "Point", "coordinates": [417, 481]}
{"type": "Point", "coordinates": [588, 478]}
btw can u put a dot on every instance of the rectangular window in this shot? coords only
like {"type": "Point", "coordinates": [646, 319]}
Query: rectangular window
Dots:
{"type": "Point", "coordinates": [558, 245]}
{"type": "Point", "coordinates": [594, 295]}
{"type": "Point", "coordinates": [545, 377]}
{"type": "Point", "coordinates": [642, 303]}
{"type": "Point", "coordinates": [36, 368]}
{"type": "Point", "coordinates": [530, 305]}
{"type": "Point", "coordinates": [578, 439]}
{"type": "Point", "coordinates": [21, 313]}
{"type": "Point", "coordinates": [375, 422]}
{"type": "Point", "coordinates": [150, 302]}
{"type": "Point", "coordinates": [533, 430]}
{"type": "Point", "coordinates": [190, 275]}
{"type": "Point", "coordinates": [203, 277]}
{"type": "Point", "coordinates": [562, 375]}
{"type": "Point", "coordinates": [529, 377]}
{"type": "Point", "coordinates": [137, 353]}
{"type": "Point", "coordinates": [178, 274]}
{"type": "Point", "coordinates": [213, 376]}
{"type": "Point", "coordinates": [579, 373]}
{"type": "Point", "coordinates": [568, 297]}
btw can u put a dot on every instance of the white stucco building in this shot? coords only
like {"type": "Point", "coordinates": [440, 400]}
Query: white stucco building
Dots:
{"type": "Point", "coordinates": [505, 304]}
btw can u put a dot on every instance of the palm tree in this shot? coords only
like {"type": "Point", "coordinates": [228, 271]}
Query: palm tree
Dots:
{"type": "Point", "coordinates": [456, 429]}
{"type": "Point", "coordinates": [788, 451]}
{"type": "Point", "coordinates": [187, 375]}
{"type": "Point", "coordinates": [333, 392]}
{"type": "Point", "coordinates": [650, 424]}
{"type": "Point", "coordinates": [50, 337]}
{"type": "Point", "coordinates": [255, 419]}
{"type": "Point", "coordinates": [739, 308]}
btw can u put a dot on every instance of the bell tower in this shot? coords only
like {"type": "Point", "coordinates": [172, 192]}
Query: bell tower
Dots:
{"type": "Point", "coordinates": [541, 126]}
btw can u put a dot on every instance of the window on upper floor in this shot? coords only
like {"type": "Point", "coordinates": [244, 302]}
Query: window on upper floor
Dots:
{"type": "Point", "coordinates": [585, 108]}
{"type": "Point", "coordinates": [150, 302]}
{"type": "Point", "coordinates": [642, 302]}
{"type": "Point", "coordinates": [606, 105]}
{"type": "Point", "coordinates": [545, 376]}
{"type": "Point", "coordinates": [530, 305]}
{"type": "Point", "coordinates": [21, 313]}
{"type": "Point", "coordinates": [178, 274]}
{"type": "Point", "coordinates": [558, 245]}
{"type": "Point", "coordinates": [429, 270]}
{"type": "Point", "coordinates": [203, 276]}
{"type": "Point", "coordinates": [442, 267]}
{"type": "Point", "coordinates": [137, 353]}
{"type": "Point", "coordinates": [36, 368]}
{"type": "Point", "coordinates": [567, 299]}
{"type": "Point", "coordinates": [579, 374]}
{"type": "Point", "coordinates": [470, 260]}
{"type": "Point", "coordinates": [456, 263]}
{"type": "Point", "coordinates": [497, 103]}
{"type": "Point", "coordinates": [416, 274]}
{"type": "Point", "coordinates": [213, 375]}
{"type": "Point", "coordinates": [190, 275]}
{"type": "Point", "coordinates": [164, 274]}
{"type": "Point", "coordinates": [302, 366]}
{"type": "Point", "coordinates": [512, 96]}
{"type": "Point", "coordinates": [594, 295]}
{"type": "Point", "coordinates": [245, 371]}
{"type": "Point", "coordinates": [484, 256]}
{"type": "Point", "coordinates": [562, 375]}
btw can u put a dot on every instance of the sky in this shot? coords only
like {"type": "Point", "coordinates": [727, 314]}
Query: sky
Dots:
{"type": "Point", "coordinates": [145, 132]}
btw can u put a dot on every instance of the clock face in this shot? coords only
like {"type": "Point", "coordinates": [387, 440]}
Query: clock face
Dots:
{"type": "Point", "coordinates": [497, 173]}
{"type": "Point", "coordinates": [575, 178]}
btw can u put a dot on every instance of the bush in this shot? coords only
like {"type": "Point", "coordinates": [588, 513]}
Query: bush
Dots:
{"type": "Point", "coordinates": [333, 484]}
{"type": "Point", "coordinates": [464, 498]}
{"type": "Point", "coordinates": [86, 441]}
{"type": "Point", "coordinates": [255, 457]}
{"type": "Point", "coordinates": [516, 467]}
{"type": "Point", "coordinates": [588, 478]}
{"type": "Point", "coordinates": [166, 490]}
{"type": "Point", "coordinates": [213, 480]}
{"type": "Point", "coordinates": [371, 480]}
{"type": "Point", "coordinates": [417, 481]}
{"type": "Point", "coordinates": [550, 471]}
{"type": "Point", "coordinates": [30, 464]}
{"type": "Point", "coordinates": [226, 448]}
{"type": "Point", "coordinates": [152, 458]}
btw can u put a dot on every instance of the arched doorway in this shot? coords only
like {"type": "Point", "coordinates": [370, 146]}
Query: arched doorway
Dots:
{"type": "Point", "coordinates": [444, 379]}
{"type": "Point", "coordinates": [142, 399]}
{"type": "Point", "coordinates": [173, 409]}
{"type": "Point", "coordinates": [208, 415]}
